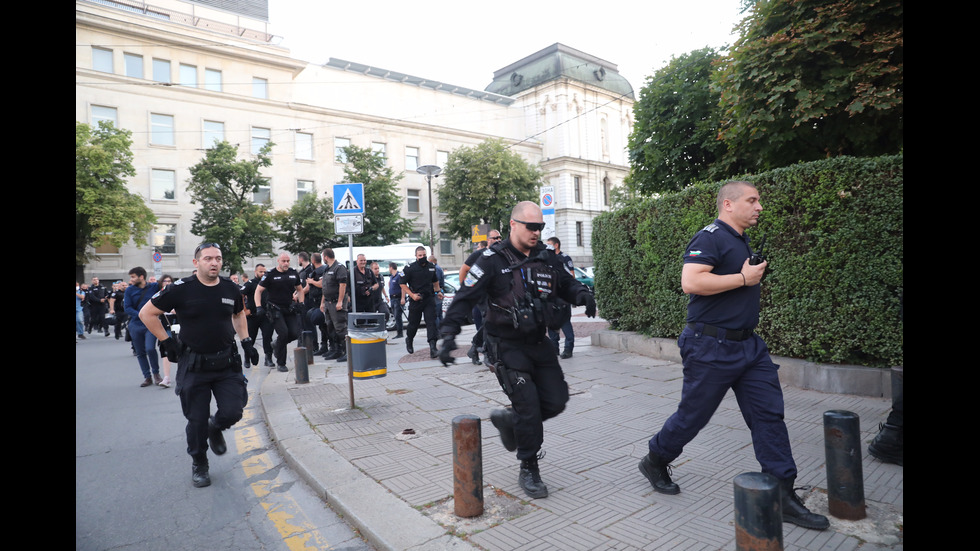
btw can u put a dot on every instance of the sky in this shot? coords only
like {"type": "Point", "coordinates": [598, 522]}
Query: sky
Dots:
{"type": "Point", "coordinates": [463, 43]}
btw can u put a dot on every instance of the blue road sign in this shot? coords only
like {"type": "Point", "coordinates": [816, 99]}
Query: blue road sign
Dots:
{"type": "Point", "coordinates": [348, 198]}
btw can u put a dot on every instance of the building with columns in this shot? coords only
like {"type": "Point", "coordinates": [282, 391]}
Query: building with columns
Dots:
{"type": "Point", "coordinates": [181, 74]}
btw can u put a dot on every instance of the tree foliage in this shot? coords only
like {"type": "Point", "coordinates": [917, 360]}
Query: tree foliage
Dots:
{"type": "Point", "coordinates": [675, 139]}
{"type": "Point", "coordinates": [223, 186]}
{"type": "Point", "coordinates": [383, 223]}
{"type": "Point", "coordinates": [308, 225]}
{"type": "Point", "coordinates": [105, 211]}
{"type": "Point", "coordinates": [482, 184]}
{"type": "Point", "coordinates": [810, 79]}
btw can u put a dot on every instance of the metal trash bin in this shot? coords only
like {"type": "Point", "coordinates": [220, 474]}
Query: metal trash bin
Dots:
{"type": "Point", "coordinates": [368, 338]}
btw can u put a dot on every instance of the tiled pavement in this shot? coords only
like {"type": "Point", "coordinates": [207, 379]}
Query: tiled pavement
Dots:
{"type": "Point", "coordinates": [397, 488]}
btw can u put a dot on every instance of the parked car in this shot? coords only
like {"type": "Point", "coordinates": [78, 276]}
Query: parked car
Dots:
{"type": "Point", "coordinates": [585, 279]}
{"type": "Point", "coordinates": [449, 292]}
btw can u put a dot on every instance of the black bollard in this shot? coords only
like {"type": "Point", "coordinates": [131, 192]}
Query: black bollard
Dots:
{"type": "Point", "coordinates": [758, 513]}
{"type": "Point", "coordinates": [302, 367]}
{"type": "Point", "coordinates": [308, 343]}
{"type": "Point", "coordinates": [845, 476]}
{"type": "Point", "coordinates": [467, 466]}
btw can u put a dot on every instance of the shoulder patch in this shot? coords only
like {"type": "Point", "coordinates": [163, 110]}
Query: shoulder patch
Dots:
{"type": "Point", "coordinates": [488, 252]}
{"type": "Point", "coordinates": [710, 228]}
{"type": "Point", "coordinates": [693, 253]}
{"type": "Point", "coordinates": [178, 282]}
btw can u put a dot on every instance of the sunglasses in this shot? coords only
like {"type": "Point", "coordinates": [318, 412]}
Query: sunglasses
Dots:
{"type": "Point", "coordinates": [531, 226]}
{"type": "Point", "coordinates": [498, 238]}
{"type": "Point", "coordinates": [203, 246]}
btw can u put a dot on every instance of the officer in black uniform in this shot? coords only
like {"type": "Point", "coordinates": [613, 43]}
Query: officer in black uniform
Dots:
{"type": "Point", "coordinates": [314, 295]}
{"type": "Point", "coordinates": [283, 306]}
{"type": "Point", "coordinates": [421, 284]}
{"type": "Point", "coordinates": [116, 300]}
{"type": "Point", "coordinates": [305, 271]}
{"type": "Point", "coordinates": [98, 297]}
{"type": "Point", "coordinates": [527, 291]}
{"type": "Point", "coordinates": [335, 304]}
{"type": "Point", "coordinates": [211, 312]}
{"type": "Point", "coordinates": [365, 284]}
{"type": "Point", "coordinates": [256, 322]}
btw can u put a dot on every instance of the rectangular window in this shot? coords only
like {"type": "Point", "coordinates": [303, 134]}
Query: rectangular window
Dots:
{"type": "Point", "coordinates": [338, 149]}
{"type": "Point", "coordinates": [577, 186]}
{"type": "Point", "coordinates": [415, 237]}
{"type": "Point", "coordinates": [163, 185]}
{"type": "Point", "coordinates": [165, 238]}
{"type": "Point", "coordinates": [411, 158]}
{"type": "Point", "coordinates": [162, 129]}
{"type": "Point", "coordinates": [102, 60]}
{"type": "Point", "coordinates": [212, 80]}
{"type": "Point", "coordinates": [260, 137]}
{"type": "Point", "coordinates": [414, 201]}
{"type": "Point", "coordinates": [260, 88]}
{"type": "Point", "coordinates": [188, 75]}
{"type": "Point", "coordinates": [380, 149]}
{"type": "Point", "coordinates": [303, 187]}
{"type": "Point", "coordinates": [606, 190]}
{"type": "Point", "coordinates": [134, 65]}
{"type": "Point", "coordinates": [101, 113]}
{"type": "Point", "coordinates": [161, 70]}
{"type": "Point", "coordinates": [214, 132]}
{"type": "Point", "coordinates": [304, 146]}
{"type": "Point", "coordinates": [263, 194]}
{"type": "Point", "coordinates": [442, 158]}
{"type": "Point", "coordinates": [579, 237]}
{"type": "Point", "coordinates": [445, 243]}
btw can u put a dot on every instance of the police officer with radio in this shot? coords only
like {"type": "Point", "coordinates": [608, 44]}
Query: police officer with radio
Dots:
{"type": "Point", "coordinates": [527, 291]}
{"type": "Point", "coordinates": [283, 307]}
{"type": "Point", "coordinates": [211, 312]}
{"type": "Point", "coordinates": [334, 304]}
{"type": "Point", "coordinates": [420, 282]}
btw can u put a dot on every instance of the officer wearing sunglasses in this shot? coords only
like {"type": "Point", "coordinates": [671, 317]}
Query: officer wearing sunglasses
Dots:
{"type": "Point", "coordinates": [526, 291]}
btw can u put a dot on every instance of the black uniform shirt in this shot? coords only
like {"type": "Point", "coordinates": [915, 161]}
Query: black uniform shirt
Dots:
{"type": "Point", "coordinates": [248, 291]}
{"type": "Point", "coordinates": [420, 277]}
{"type": "Point", "coordinates": [281, 286]}
{"type": "Point", "coordinates": [720, 246]}
{"type": "Point", "coordinates": [205, 311]}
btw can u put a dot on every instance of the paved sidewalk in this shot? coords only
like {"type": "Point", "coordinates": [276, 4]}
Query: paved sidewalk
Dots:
{"type": "Point", "coordinates": [397, 488]}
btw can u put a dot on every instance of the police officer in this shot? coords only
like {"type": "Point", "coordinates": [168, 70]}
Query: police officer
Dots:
{"type": "Point", "coordinates": [527, 291]}
{"type": "Point", "coordinates": [283, 306]}
{"type": "Point", "coordinates": [396, 297]}
{"type": "Point", "coordinates": [476, 345]}
{"type": "Point", "coordinates": [567, 329]}
{"type": "Point", "coordinates": [98, 297]}
{"type": "Point", "coordinates": [254, 321]}
{"type": "Point", "coordinates": [305, 271]}
{"type": "Point", "coordinates": [421, 284]}
{"type": "Point", "coordinates": [211, 313]}
{"type": "Point", "coordinates": [335, 304]}
{"type": "Point", "coordinates": [720, 350]}
{"type": "Point", "coordinates": [365, 283]}
{"type": "Point", "coordinates": [314, 296]}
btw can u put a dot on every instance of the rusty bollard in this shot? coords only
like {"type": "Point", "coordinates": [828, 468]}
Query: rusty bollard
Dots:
{"type": "Point", "coordinates": [845, 476]}
{"type": "Point", "coordinates": [467, 466]}
{"type": "Point", "coordinates": [301, 366]}
{"type": "Point", "coordinates": [758, 513]}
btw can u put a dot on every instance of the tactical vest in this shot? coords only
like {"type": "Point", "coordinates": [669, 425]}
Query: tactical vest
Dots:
{"type": "Point", "coordinates": [532, 303]}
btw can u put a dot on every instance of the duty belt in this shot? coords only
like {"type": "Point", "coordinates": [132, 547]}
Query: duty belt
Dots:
{"type": "Point", "coordinates": [730, 334]}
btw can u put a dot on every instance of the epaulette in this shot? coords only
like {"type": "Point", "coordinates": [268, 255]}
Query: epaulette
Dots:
{"type": "Point", "coordinates": [710, 228]}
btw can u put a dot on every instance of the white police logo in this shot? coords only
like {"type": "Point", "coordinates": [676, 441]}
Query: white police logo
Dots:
{"type": "Point", "coordinates": [228, 301]}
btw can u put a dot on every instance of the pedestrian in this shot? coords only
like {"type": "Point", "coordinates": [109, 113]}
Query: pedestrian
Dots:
{"type": "Point", "coordinates": [335, 304]}
{"type": "Point", "coordinates": [421, 284]}
{"type": "Point", "coordinates": [137, 295]}
{"type": "Point", "coordinates": [212, 314]}
{"type": "Point", "coordinates": [396, 298]}
{"type": "Point", "coordinates": [567, 328]}
{"type": "Point", "coordinates": [476, 344]}
{"type": "Point", "coordinates": [527, 291]}
{"type": "Point", "coordinates": [79, 316]}
{"type": "Point", "coordinates": [169, 320]}
{"type": "Point", "coordinates": [254, 321]}
{"type": "Point", "coordinates": [283, 305]}
{"type": "Point", "coordinates": [721, 351]}
{"type": "Point", "coordinates": [365, 283]}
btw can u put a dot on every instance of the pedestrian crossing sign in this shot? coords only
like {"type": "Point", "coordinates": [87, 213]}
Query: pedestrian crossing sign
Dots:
{"type": "Point", "coordinates": [348, 198]}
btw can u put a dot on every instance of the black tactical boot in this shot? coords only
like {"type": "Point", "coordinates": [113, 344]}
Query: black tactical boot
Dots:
{"type": "Point", "coordinates": [341, 350]}
{"type": "Point", "coordinates": [888, 445]}
{"type": "Point", "coordinates": [794, 512]}
{"type": "Point", "coordinates": [433, 350]}
{"type": "Point", "coordinates": [332, 353]}
{"type": "Point", "coordinates": [199, 473]}
{"type": "Point", "coordinates": [215, 439]}
{"type": "Point", "coordinates": [408, 346]}
{"type": "Point", "coordinates": [503, 419]}
{"type": "Point", "coordinates": [656, 469]}
{"type": "Point", "coordinates": [530, 479]}
{"type": "Point", "coordinates": [269, 362]}
{"type": "Point", "coordinates": [474, 355]}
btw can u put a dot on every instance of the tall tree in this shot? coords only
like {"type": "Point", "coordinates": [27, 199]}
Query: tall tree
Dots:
{"type": "Point", "coordinates": [675, 139]}
{"type": "Point", "coordinates": [223, 186]}
{"type": "Point", "coordinates": [105, 211]}
{"type": "Point", "coordinates": [482, 184]}
{"type": "Point", "coordinates": [810, 79]}
{"type": "Point", "coordinates": [308, 225]}
{"type": "Point", "coordinates": [383, 223]}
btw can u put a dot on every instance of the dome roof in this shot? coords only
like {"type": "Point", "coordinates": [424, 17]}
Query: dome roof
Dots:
{"type": "Point", "coordinates": [554, 62]}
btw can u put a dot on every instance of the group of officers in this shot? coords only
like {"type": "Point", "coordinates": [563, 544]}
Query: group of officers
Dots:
{"type": "Point", "coordinates": [522, 289]}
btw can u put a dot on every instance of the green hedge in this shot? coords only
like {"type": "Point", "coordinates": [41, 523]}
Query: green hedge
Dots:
{"type": "Point", "coordinates": [834, 241]}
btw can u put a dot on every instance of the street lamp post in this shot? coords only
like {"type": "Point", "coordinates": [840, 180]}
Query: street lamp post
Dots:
{"type": "Point", "coordinates": [429, 171]}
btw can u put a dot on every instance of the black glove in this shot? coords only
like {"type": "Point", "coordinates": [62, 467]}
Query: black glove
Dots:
{"type": "Point", "coordinates": [586, 299]}
{"type": "Point", "coordinates": [260, 311]}
{"type": "Point", "coordinates": [170, 349]}
{"type": "Point", "coordinates": [448, 345]}
{"type": "Point", "coordinates": [250, 352]}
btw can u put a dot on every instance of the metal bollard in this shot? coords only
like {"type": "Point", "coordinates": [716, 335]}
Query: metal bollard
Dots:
{"type": "Point", "coordinates": [758, 513]}
{"type": "Point", "coordinates": [845, 476]}
{"type": "Point", "coordinates": [308, 344]}
{"type": "Point", "coordinates": [467, 466]}
{"type": "Point", "coordinates": [302, 368]}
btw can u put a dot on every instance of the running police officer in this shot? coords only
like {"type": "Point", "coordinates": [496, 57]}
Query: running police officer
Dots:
{"type": "Point", "coordinates": [720, 350]}
{"type": "Point", "coordinates": [421, 284]}
{"type": "Point", "coordinates": [211, 313]}
{"type": "Point", "coordinates": [334, 304]}
{"type": "Point", "coordinates": [255, 321]}
{"type": "Point", "coordinates": [283, 307]}
{"type": "Point", "coordinates": [527, 291]}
